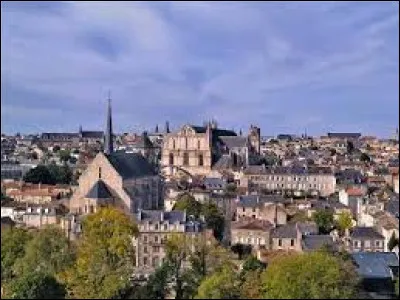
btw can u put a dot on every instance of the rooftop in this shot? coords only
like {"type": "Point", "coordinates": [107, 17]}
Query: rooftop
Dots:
{"type": "Point", "coordinates": [365, 233]}
{"type": "Point", "coordinates": [375, 264]}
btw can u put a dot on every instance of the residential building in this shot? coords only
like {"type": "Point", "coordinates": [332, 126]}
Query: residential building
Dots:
{"type": "Point", "coordinates": [289, 237]}
{"type": "Point", "coordinates": [251, 232]}
{"type": "Point", "coordinates": [308, 180]}
{"type": "Point", "coordinates": [366, 239]}
{"type": "Point", "coordinates": [155, 227]}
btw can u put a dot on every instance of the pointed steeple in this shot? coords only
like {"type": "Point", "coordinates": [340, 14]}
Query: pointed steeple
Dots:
{"type": "Point", "coordinates": [167, 127]}
{"type": "Point", "coordinates": [156, 131]}
{"type": "Point", "coordinates": [108, 136]}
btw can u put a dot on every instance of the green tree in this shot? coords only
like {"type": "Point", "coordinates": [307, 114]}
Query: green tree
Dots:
{"type": "Point", "coordinates": [64, 155]}
{"type": "Point", "coordinates": [214, 219]}
{"type": "Point", "coordinates": [251, 285]}
{"type": "Point", "coordinates": [61, 174]}
{"type": "Point", "coordinates": [344, 221]}
{"type": "Point", "coordinates": [324, 220]}
{"type": "Point", "coordinates": [230, 189]}
{"type": "Point", "coordinates": [36, 285]}
{"type": "Point", "coordinates": [299, 216]}
{"type": "Point", "coordinates": [316, 275]}
{"type": "Point", "coordinates": [13, 243]}
{"type": "Point", "coordinates": [48, 251]}
{"type": "Point", "coordinates": [241, 250]}
{"type": "Point", "coordinates": [189, 203]}
{"type": "Point", "coordinates": [40, 174]}
{"type": "Point", "coordinates": [56, 148]}
{"type": "Point", "coordinates": [105, 255]}
{"type": "Point", "coordinates": [396, 287]}
{"type": "Point", "coordinates": [365, 157]}
{"type": "Point", "coordinates": [393, 242]}
{"type": "Point", "coordinates": [252, 264]}
{"type": "Point", "coordinates": [222, 284]}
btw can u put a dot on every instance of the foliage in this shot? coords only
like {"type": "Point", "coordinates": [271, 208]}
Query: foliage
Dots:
{"type": "Point", "coordinates": [230, 188]}
{"type": "Point", "coordinates": [350, 147]}
{"type": "Point", "coordinates": [105, 257]}
{"type": "Point", "coordinates": [241, 250]}
{"type": "Point", "coordinates": [251, 285]}
{"type": "Point", "coordinates": [56, 148]}
{"type": "Point", "coordinates": [324, 220]}
{"type": "Point", "coordinates": [13, 241]}
{"type": "Point", "coordinates": [252, 264]}
{"type": "Point", "coordinates": [212, 215]}
{"type": "Point", "coordinates": [220, 285]}
{"type": "Point", "coordinates": [189, 203]}
{"type": "Point", "coordinates": [40, 174]}
{"type": "Point", "coordinates": [344, 221]}
{"type": "Point", "coordinates": [393, 242]}
{"type": "Point", "coordinates": [64, 155]}
{"type": "Point", "coordinates": [51, 174]}
{"type": "Point", "coordinates": [316, 275]}
{"type": "Point", "coordinates": [48, 251]}
{"type": "Point", "coordinates": [364, 157]}
{"type": "Point", "coordinates": [396, 287]}
{"type": "Point", "coordinates": [299, 216]}
{"type": "Point", "coordinates": [36, 285]}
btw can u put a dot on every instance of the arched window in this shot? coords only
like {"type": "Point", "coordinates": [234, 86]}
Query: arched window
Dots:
{"type": "Point", "coordinates": [186, 143]}
{"type": "Point", "coordinates": [171, 158]}
{"type": "Point", "coordinates": [186, 159]}
{"type": "Point", "coordinates": [99, 172]}
{"type": "Point", "coordinates": [198, 144]}
{"type": "Point", "coordinates": [173, 144]}
{"type": "Point", "coordinates": [201, 160]}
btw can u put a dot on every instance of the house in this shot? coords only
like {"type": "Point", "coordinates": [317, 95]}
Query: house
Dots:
{"type": "Point", "coordinates": [126, 180]}
{"type": "Point", "coordinates": [377, 271]}
{"type": "Point", "coordinates": [6, 223]}
{"type": "Point", "coordinates": [267, 208]}
{"type": "Point", "coordinates": [39, 216]}
{"type": "Point", "coordinates": [365, 239]}
{"type": "Point", "coordinates": [289, 237]}
{"type": "Point", "coordinates": [155, 227]}
{"type": "Point", "coordinates": [215, 185]}
{"type": "Point", "coordinates": [251, 232]}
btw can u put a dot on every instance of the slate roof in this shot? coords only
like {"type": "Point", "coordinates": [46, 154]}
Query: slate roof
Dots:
{"type": "Point", "coordinates": [365, 233]}
{"type": "Point", "coordinates": [171, 217]}
{"type": "Point", "coordinates": [99, 191]}
{"type": "Point", "coordinates": [375, 264]}
{"type": "Point", "coordinates": [216, 131]}
{"type": "Point", "coordinates": [214, 183]}
{"type": "Point", "coordinates": [351, 135]}
{"type": "Point", "coordinates": [225, 162]}
{"type": "Point", "coordinates": [130, 165]}
{"type": "Point", "coordinates": [316, 241]}
{"type": "Point", "coordinates": [392, 207]}
{"type": "Point", "coordinates": [293, 170]}
{"type": "Point", "coordinates": [286, 231]}
{"type": "Point", "coordinates": [252, 225]}
{"type": "Point", "coordinates": [234, 141]}
{"type": "Point", "coordinates": [93, 134]}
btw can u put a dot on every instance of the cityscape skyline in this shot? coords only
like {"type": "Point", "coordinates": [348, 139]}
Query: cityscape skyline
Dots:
{"type": "Point", "coordinates": [240, 64]}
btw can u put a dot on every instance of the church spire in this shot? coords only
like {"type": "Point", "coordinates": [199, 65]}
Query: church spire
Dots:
{"type": "Point", "coordinates": [108, 137]}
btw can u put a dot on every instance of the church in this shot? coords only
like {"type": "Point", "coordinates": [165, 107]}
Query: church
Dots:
{"type": "Point", "coordinates": [125, 180]}
{"type": "Point", "coordinates": [197, 150]}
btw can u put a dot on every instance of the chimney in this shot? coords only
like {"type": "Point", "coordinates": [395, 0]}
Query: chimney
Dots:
{"type": "Point", "coordinates": [162, 216]}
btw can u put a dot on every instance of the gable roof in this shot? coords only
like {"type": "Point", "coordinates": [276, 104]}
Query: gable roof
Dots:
{"type": "Point", "coordinates": [130, 165]}
{"type": "Point", "coordinates": [285, 231]}
{"type": "Point", "coordinates": [252, 224]}
{"type": "Point", "coordinates": [316, 241]}
{"type": "Point", "coordinates": [375, 264]}
{"type": "Point", "coordinates": [99, 191]}
{"type": "Point", "coordinates": [365, 233]}
{"type": "Point", "coordinates": [234, 141]}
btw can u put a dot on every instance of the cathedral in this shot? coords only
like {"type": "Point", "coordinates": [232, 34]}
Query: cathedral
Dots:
{"type": "Point", "coordinates": [197, 150]}
{"type": "Point", "coordinates": [125, 180]}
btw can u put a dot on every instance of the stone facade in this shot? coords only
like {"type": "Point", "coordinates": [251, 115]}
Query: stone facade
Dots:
{"type": "Point", "coordinates": [252, 232]}
{"type": "Point", "coordinates": [271, 212]}
{"type": "Point", "coordinates": [130, 194]}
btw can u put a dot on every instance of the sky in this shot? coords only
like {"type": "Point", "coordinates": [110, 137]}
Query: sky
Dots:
{"type": "Point", "coordinates": [287, 67]}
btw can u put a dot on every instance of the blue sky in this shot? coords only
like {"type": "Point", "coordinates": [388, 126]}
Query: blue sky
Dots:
{"type": "Point", "coordinates": [285, 66]}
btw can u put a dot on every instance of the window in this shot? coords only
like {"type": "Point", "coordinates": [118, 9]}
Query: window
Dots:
{"type": "Point", "coordinates": [155, 261]}
{"type": "Point", "coordinates": [156, 249]}
{"type": "Point", "coordinates": [99, 172]}
{"type": "Point", "coordinates": [91, 209]}
{"type": "Point", "coordinates": [156, 239]}
{"type": "Point", "coordinates": [165, 226]}
{"type": "Point", "coordinates": [156, 226]}
{"type": "Point", "coordinates": [145, 261]}
{"type": "Point", "coordinates": [244, 209]}
{"type": "Point", "coordinates": [173, 144]}
{"type": "Point", "coordinates": [292, 242]}
{"type": "Point", "coordinates": [185, 159]}
{"type": "Point", "coordinates": [145, 238]}
{"type": "Point", "coordinates": [254, 209]}
{"type": "Point", "coordinates": [280, 243]}
{"type": "Point", "coordinates": [198, 144]}
{"type": "Point", "coordinates": [377, 243]}
{"type": "Point", "coordinates": [355, 244]}
{"type": "Point", "coordinates": [201, 161]}
{"type": "Point", "coordinates": [171, 158]}
{"type": "Point", "coordinates": [145, 249]}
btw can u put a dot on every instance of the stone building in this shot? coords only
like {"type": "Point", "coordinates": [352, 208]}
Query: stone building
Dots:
{"type": "Point", "coordinates": [155, 227]}
{"type": "Point", "coordinates": [126, 180]}
{"type": "Point", "coordinates": [366, 239]}
{"type": "Point", "coordinates": [252, 232]}
{"type": "Point", "coordinates": [199, 149]}
{"type": "Point", "coordinates": [305, 180]}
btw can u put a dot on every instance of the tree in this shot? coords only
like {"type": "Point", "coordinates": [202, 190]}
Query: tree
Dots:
{"type": "Point", "coordinates": [13, 243]}
{"type": "Point", "coordinates": [299, 216]}
{"type": "Point", "coordinates": [324, 220]}
{"type": "Point", "coordinates": [252, 264]}
{"type": "Point", "coordinates": [350, 147]}
{"type": "Point", "coordinates": [36, 285]}
{"type": "Point", "coordinates": [64, 155]}
{"type": "Point", "coordinates": [105, 255]}
{"type": "Point", "coordinates": [315, 275]}
{"type": "Point", "coordinates": [61, 174]}
{"type": "Point", "coordinates": [396, 287]}
{"type": "Point", "coordinates": [220, 285]}
{"type": "Point", "coordinates": [344, 221]}
{"type": "Point", "coordinates": [393, 242]}
{"type": "Point", "coordinates": [251, 285]}
{"type": "Point", "coordinates": [40, 174]}
{"type": "Point", "coordinates": [241, 250]}
{"type": "Point", "coordinates": [365, 157]}
{"type": "Point", "coordinates": [214, 219]}
{"type": "Point", "coordinates": [48, 251]}
{"type": "Point", "coordinates": [188, 203]}
{"type": "Point", "coordinates": [230, 189]}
